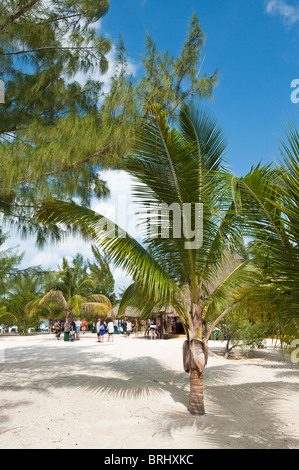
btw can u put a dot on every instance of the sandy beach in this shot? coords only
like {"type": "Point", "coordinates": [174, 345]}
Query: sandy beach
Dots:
{"type": "Point", "coordinates": [133, 394]}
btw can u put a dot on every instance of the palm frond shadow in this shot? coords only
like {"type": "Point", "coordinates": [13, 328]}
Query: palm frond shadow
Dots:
{"type": "Point", "coordinates": [118, 378]}
{"type": "Point", "coordinates": [234, 405]}
{"type": "Point", "coordinates": [232, 419]}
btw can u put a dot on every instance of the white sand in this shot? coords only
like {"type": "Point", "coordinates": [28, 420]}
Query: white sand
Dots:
{"type": "Point", "coordinates": [133, 394]}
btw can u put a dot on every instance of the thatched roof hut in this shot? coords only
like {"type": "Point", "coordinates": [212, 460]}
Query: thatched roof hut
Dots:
{"type": "Point", "coordinates": [129, 312]}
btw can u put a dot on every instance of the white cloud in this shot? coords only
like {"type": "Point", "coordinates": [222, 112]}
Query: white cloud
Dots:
{"type": "Point", "coordinates": [105, 78]}
{"type": "Point", "coordinates": [121, 281]}
{"type": "Point", "coordinates": [51, 255]}
{"type": "Point", "coordinates": [289, 13]}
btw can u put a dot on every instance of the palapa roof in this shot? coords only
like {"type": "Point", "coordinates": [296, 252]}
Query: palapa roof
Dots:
{"type": "Point", "coordinates": [134, 312]}
{"type": "Point", "coordinates": [129, 312]}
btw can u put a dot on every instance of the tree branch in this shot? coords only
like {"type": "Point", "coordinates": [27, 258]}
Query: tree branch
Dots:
{"type": "Point", "coordinates": [68, 167]}
{"type": "Point", "coordinates": [48, 48]}
{"type": "Point", "coordinates": [213, 326]}
{"type": "Point", "coordinates": [19, 13]}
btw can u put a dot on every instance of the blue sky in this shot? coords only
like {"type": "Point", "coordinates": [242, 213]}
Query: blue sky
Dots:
{"type": "Point", "coordinates": [253, 45]}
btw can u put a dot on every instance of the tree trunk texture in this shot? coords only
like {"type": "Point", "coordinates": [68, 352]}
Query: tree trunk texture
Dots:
{"type": "Point", "coordinates": [195, 359]}
{"type": "Point", "coordinates": [68, 319]}
{"type": "Point", "coordinates": [196, 398]}
{"type": "Point", "coordinates": [195, 355]}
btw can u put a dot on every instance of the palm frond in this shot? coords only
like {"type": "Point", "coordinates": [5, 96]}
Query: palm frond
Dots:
{"type": "Point", "coordinates": [124, 251]}
{"type": "Point", "coordinates": [54, 296]}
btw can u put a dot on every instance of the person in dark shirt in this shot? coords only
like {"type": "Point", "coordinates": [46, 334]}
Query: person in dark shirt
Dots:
{"type": "Point", "coordinates": [58, 329]}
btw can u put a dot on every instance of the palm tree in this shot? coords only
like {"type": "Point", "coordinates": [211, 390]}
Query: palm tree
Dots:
{"type": "Point", "coordinates": [270, 199]}
{"type": "Point", "coordinates": [71, 293]}
{"type": "Point", "coordinates": [181, 167]}
{"type": "Point", "coordinates": [5, 315]}
{"type": "Point", "coordinates": [23, 289]}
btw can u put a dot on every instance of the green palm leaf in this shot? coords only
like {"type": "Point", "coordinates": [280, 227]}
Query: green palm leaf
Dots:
{"type": "Point", "coordinates": [180, 166]}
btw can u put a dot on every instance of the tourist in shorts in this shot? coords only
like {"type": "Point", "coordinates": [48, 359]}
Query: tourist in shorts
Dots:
{"type": "Point", "coordinates": [129, 328]}
{"type": "Point", "coordinates": [101, 330]}
{"type": "Point", "coordinates": [152, 329]}
{"type": "Point", "coordinates": [84, 325]}
{"type": "Point", "coordinates": [78, 327]}
{"type": "Point", "coordinates": [58, 329]}
{"type": "Point", "coordinates": [110, 329]}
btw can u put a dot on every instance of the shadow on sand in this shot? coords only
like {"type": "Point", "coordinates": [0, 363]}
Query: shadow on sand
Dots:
{"type": "Point", "coordinates": [234, 405]}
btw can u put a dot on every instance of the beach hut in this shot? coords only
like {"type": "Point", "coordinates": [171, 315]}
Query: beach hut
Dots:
{"type": "Point", "coordinates": [131, 312]}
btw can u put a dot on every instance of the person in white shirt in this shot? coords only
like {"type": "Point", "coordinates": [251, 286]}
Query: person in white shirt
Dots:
{"type": "Point", "coordinates": [78, 326]}
{"type": "Point", "coordinates": [153, 329]}
{"type": "Point", "coordinates": [110, 328]}
{"type": "Point", "coordinates": [129, 328]}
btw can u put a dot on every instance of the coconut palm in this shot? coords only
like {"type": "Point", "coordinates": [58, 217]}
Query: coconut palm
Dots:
{"type": "Point", "coordinates": [71, 294]}
{"type": "Point", "coordinates": [5, 314]}
{"type": "Point", "coordinates": [270, 199]}
{"type": "Point", "coordinates": [196, 270]}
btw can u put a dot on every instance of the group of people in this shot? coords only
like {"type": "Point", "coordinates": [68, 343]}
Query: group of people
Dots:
{"type": "Point", "coordinates": [102, 326]}
{"type": "Point", "coordinates": [153, 329]}
{"type": "Point", "coordinates": [75, 328]}
{"type": "Point", "coordinates": [157, 329]}
{"type": "Point", "coordinates": [118, 326]}
{"type": "Point", "coordinates": [126, 327]}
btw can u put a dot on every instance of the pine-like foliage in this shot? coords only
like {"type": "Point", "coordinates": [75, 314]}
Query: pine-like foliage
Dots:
{"type": "Point", "coordinates": [9, 260]}
{"type": "Point", "coordinates": [55, 134]}
{"type": "Point", "coordinates": [43, 44]}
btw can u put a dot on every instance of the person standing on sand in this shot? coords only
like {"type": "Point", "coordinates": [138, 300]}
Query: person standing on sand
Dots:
{"type": "Point", "coordinates": [125, 327]}
{"type": "Point", "coordinates": [135, 328]}
{"type": "Point", "coordinates": [110, 328]}
{"type": "Point", "coordinates": [101, 330]}
{"type": "Point", "coordinates": [84, 325]}
{"type": "Point", "coordinates": [98, 329]}
{"type": "Point", "coordinates": [78, 326]}
{"type": "Point", "coordinates": [147, 330]}
{"type": "Point", "coordinates": [73, 330]}
{"type": "Point", "coordinates": [58, 329]}
{"type": "Point", "coordinates": [129, 328]}
{"type": "Point", "coordinates": [159, 327]}
{"type": "Point", "coordinates": [153, 329]}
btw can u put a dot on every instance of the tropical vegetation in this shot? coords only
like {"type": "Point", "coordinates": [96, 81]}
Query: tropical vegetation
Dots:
{"type": "Point", "coordinates": [218, 248]}
{"type": "Point", "coordinates": [73, 290]}
{"type": "Point", "coordinates": [181, 166]}
{"type": "Point", "coordinates": [184, 166]}
{"type": "Point", "coordinates": [58, 130]}
{"type": "Point", "coordinates": [270, 201]}
{"type": "Point", "coordinates": [72, 296]}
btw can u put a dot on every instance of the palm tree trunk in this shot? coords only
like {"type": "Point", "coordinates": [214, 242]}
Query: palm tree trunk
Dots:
{"type": "Point", "coordinates": [196, 399]}
{"type": "Point", "coordinates": [68, 319]}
